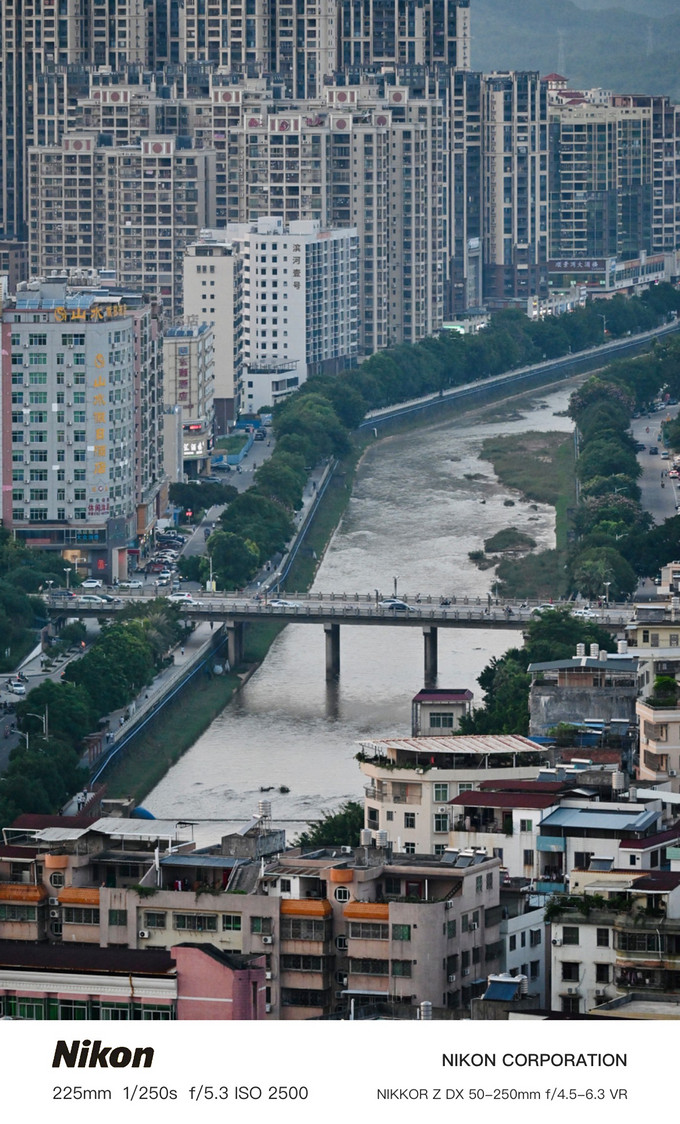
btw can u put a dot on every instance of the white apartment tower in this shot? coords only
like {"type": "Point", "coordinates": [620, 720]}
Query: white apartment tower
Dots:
{"type": "Point", "coordinates": [297, 292]}
{"type": "Point", "coordinates": [213, 268]}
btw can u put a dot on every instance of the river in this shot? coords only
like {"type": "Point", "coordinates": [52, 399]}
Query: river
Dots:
{"type": "Point", "coordinates": [422, 501]}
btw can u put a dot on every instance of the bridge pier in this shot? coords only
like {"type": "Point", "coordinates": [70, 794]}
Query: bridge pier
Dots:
{"type": "Point", "coordinates": [332, 632]}
{"type": "Point", "coordinates": [235, 631]}
{"type": "Point", "coordinates": [430, 639]}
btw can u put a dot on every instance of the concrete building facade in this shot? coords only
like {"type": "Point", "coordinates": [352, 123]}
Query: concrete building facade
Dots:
{"type": "Point", "coordinates": [189, 364]}
{"type": "Point", "coordinates": [82, 390]}
{"type": "Point", "coordinates": [411, 781]}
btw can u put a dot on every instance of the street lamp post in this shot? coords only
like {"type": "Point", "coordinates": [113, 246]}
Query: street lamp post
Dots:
{"type": "Point", "coordinates": [606, 593]}
{"type": "Point", "coordinates": [396, 579]}
{"type": "Point", "coordinates": [42, 718]}
{"type": "Point", "coordinates": [67, 571]}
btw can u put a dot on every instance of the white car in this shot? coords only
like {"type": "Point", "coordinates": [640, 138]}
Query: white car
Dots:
{"type": "Point", "coordinates": [131, 583]}
{"type": "Point", "coordinates": [184, 599]}
{"type": "Point", "coordinates": [16, 687]}
{"type": "Point", "coordinates": [589, 614]}
{"type": "Point", "coordinates": [91, 599]}
{"type": "Point", "coordinates": [278, 603]}
{"type": "Point", "coordinates": [92, 583]}
{"type": "Point", "coordinates": [395, 604]}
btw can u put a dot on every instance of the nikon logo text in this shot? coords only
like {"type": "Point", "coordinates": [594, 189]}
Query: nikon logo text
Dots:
{"type": "Point", "coordinates": [90, 1055]}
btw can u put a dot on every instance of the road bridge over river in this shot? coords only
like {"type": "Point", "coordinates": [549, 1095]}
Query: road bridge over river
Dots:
{"type": "Point", "coordinates": [333, 610]}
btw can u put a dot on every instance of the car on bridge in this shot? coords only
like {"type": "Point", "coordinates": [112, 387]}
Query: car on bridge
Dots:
{"type": "Point", "coordinates": [131, 583]}
{"type": "Point", "coordinates": [279, 603]}
{"type": "Point", "coordinates": [184, 599]}
{"type": "Point", "coordinates": [92, 583]}
{"type": "Point", "coordinates": [89, 599]}
{"type": "Point", "coordinates": [395, 604]}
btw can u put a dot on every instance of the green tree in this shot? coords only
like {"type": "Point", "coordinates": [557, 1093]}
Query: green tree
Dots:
{"type": "Point", "coordinates": [235, 560]}
{"type": "Point", "coordinates": [335, 829]}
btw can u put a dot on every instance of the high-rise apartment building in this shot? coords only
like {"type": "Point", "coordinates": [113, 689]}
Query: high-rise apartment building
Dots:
{"type": "Point", "coordinates": [601, 180]}
{"type": "Point", "coordinates": [131, 208]}
{"type": "Point", "coordinates": [366, 158]}
{"type": "Point", "coordinates": [213, 267]}
{"type": "Point", "coordinates": [515, 187]}
{"type": "Point", "coordinates": [188, 368]}
{"type": "Point", "coordinates": [430, 33]}
{"type": "Point", "coordinates": [665, 165]}
{"type": "Point", "coordinates": [291, 294]}
{"type": "Point", "coordinates": [81, 394]}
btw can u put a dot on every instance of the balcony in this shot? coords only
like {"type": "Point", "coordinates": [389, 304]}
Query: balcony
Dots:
{"type": "Point", "coordinates": [382, 796]}
{"type": "Point", "coordinates": [474, 824]}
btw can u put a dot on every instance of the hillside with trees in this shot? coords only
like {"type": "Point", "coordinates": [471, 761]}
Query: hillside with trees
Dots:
{"type": "Point", "coordinates": [593, 45]}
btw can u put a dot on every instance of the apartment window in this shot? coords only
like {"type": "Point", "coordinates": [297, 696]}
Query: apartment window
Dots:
{"type": "Point", "coordinates": [441, 821]}
{"type": "Point", "coordinates": [154, 920]}
{"type": "Point", "coordinates": [261, 925]}
{"type": "Point", "coordinates": [603, 938]}
{"type": "Point", "coordinates": [451, 929]}
{"type": "Point", "coordinates": [512, 942]}
{"type": "Point", "coordinates": [77, 916]}
{"type": "Point", "coordinates": [117, 917]}
{"type": "Point", "coordinates": [570, 934]}
{"type": "Point", "coordinates": [479, 883]}
{"type": "Point", "coordinates": [534, 969]}
{"type": "Point", "coordinates": [528, 857]}
{"type": "Point", "coordinates": [602, 973]}
{"type": "Point", "coordinates": [366, 966]}
{"type": "Point", "coordinates": [526, 825]}
{"type": "Point", "coordinates": [409, 848]}
{"type": "Point", "coordinates": [342, 894]}
{"type": "Point", "coordinates": [285, 885]}
{"type": "Point", "coordinates": [196, 922]}
{"type": "Point", "coordinates": [535, 938]}
{"type": "Point", "coordinates": [389, 816]}
{"type": "Point", "coordinates": [18, 913]}
{"type": "Point", "coordinates": [231, 922]}
{"type": "Point", "coordinates": [304, 929]}
{"type": "Point", "coordinates": [298, 963]}
{"type": "Point", "coordinates": [409, 819]}
{"type": "Point", "coordinates": [401, 932]}
{"type": "Point", "coordinates": [369, 931]}
{"type": "Point", "coordinates": [302, 997]}
{"type": "Point", "coordinates": [441, 793]}
{"type": "Point", "coordinates": [570, 971]}
{"type": "Point", "coordinates": [401, 968]}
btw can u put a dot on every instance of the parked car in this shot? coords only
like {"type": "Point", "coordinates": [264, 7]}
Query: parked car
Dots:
{"type": "Point", "coordinates": [92, 583]}
{"type": "Point", "coordinates": [653, 451]}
